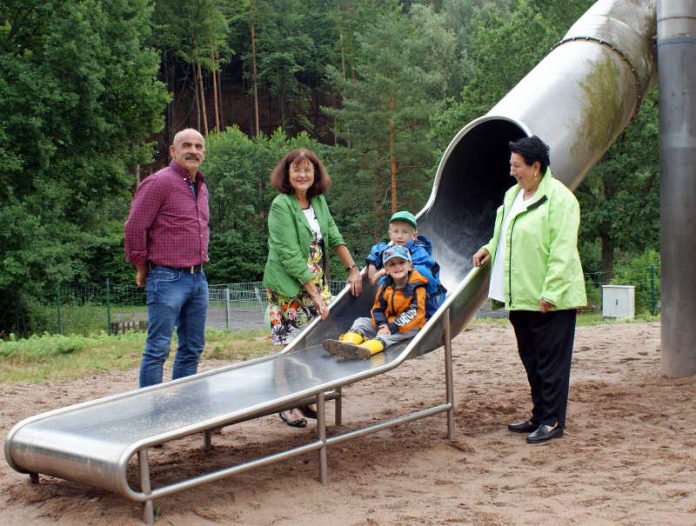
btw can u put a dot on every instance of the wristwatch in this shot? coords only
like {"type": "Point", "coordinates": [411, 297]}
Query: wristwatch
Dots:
{"type": "Point", "coordinates": [351, 267]}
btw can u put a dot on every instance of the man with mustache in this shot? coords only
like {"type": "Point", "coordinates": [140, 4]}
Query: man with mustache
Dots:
{"type": "Point", "coordinates": [166, 239]}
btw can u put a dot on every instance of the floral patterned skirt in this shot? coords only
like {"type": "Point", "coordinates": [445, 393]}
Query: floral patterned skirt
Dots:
{"type": "Point", "coordinates": [289, 315]}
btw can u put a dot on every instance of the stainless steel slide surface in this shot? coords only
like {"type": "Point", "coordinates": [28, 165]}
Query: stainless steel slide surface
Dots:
{"type": "Point", "coordinates": [577, 99]}
{"type": "Point", "coordinates": [92, 442]}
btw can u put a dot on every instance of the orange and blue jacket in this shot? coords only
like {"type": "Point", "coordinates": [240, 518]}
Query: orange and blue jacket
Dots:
{"type": "Point", "coordinates": [403, 309]}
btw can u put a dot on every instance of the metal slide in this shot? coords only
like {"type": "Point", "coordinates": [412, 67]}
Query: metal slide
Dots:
{"type": "Point", "coordinates": [578, 99]}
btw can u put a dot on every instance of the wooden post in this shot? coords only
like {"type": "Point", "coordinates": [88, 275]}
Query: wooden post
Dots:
{"type": "Point", "coordinates": [215, 93]}
{"type": "Point", "coordinates": [257, 126]}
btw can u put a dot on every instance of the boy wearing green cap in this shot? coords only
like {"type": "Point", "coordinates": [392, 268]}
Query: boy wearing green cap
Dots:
{"type": "Point", "coordinates": [403, 232]}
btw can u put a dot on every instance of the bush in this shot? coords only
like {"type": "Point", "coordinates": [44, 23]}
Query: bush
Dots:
{"type": "Point", "coordinates": [643, 272]}
{"type": "Point", "coordinates": [236, 170]}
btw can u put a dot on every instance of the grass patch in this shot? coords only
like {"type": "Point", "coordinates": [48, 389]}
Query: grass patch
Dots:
{"type": "Point", "coordinates": [41, 359]}
{"type": "Point", "coordinates": [485, 321]}
{"type": "Point", "coordinates": [222, 344]}
{"type": "Point", "coordinates": [587, 319]}
{"type": "Point", "coordinates": [584, 319]}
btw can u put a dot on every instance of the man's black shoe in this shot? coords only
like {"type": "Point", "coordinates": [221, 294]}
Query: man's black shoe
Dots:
{"type": "Point", "coordinates": [544, 433]}
{"type": "Point", "coordinates": [523, 427]}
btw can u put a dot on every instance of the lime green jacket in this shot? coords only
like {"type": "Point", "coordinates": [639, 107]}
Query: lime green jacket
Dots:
{"type": "Point", "coordinates": [289, 237]}
{"type": "Point", "coordinates": [541, 256]}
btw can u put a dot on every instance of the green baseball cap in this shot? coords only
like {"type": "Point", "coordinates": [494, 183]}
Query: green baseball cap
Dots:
{"type": "Point", "coordinates": [405, 216]}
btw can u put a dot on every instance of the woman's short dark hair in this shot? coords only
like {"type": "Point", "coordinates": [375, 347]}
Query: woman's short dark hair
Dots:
{"type": "Point", "coordinates": [280, 175]}
{"type": "Point", "coordinates": [532, 149]}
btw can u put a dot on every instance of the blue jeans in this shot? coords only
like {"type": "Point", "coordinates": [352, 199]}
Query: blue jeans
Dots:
{"type": "Point", "coordinates": [174, 299]}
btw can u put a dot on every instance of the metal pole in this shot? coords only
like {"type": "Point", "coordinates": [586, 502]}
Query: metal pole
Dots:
{"type": "Point", "coordinates": [145, 487]}
{"type": "Point", "coordinates": [447, 335]}
{"type": "Point", "coordinates": [653, 310]}
{"type": "Point", "coordinates": [59, 324]}
{"type": "Point", "coordinates": [321, 424]}
{"type": "Point", "coordinates": [108, 306]}
{"type": "Point", "coordinates": [676, 55]}
{"type": "Point", "coordinates": [338, 407]}
{"type": "Point", "coordinates": [228, 309]}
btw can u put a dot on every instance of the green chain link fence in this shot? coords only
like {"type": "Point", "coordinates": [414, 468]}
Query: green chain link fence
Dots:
{"type": "Point", "coordinates": [113, 308]}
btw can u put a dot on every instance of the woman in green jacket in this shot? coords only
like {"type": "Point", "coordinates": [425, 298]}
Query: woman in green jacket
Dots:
{"type": "Point", "coordinates": [537, 275]}
{"type": "Point", "coordinates": [300, 232]}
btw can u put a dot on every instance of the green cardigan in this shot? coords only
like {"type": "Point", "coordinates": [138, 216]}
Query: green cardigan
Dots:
{"type": "Point", "coordinates": [289, 237]}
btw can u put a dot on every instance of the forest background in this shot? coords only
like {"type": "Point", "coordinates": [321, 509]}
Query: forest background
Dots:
{"type": "Point", "coordinates": [91, 93]}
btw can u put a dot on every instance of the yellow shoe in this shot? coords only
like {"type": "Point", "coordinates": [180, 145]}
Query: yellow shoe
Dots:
{"type": "Point", "coordinates": [345, 350]}
{"type": "Point", "coordinates": [351, 337]}
{"type": "Point", "coordinates": [374, 346]}
{"type": "Point", "coordinates": [333, 347]}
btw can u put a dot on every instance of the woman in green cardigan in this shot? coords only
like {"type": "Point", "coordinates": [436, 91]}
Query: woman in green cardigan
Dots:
{"type": "Point", "coordinates": [300, 230]}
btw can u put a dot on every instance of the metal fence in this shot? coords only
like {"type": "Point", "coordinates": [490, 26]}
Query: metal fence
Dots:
{"type": "Point", "coordinates": [93, 308]}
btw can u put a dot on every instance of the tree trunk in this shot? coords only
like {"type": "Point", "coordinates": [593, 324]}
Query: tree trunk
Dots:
{"type": "Point", "coordinates": [392, 155]}
{"type": "Point", "coordinates": [219, 88]}
{"type": "Point", "coordinates": [343, 55]}
{"type": "Point", "coordinates": [257, 125]}
{"type": "Point", "coordinates": [197, 98]}
{"type": "Point", "coordinates": [169, 115]}
{"type": "Point", "coordinates": [203, 108]}
{"type": "Point", "coordinates": [377, 204]}
{"type": "Point", "coordinates": [281, 103]}
{"type": "Point", "coordinates": [215, 93]}
{"type": "Point", "coordinates": [343, 74]}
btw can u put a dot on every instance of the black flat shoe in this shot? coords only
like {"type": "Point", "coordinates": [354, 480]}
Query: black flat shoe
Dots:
{"type": "Point", "coordinates": [292, 423]}
{"type": "Point", "coordinates": [308, 412]}
{"type": "Point", "coordinates": [544, 433]}
{"type": "Point", "coordinates": [523, 427]}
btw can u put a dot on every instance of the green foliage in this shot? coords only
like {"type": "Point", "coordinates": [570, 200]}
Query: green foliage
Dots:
{"type": "Point", "coordinates": [78, 99]}
{"type": "Point", "coordinates": [38, 349]}
{"type": "Point", "coordinates": [191, 30]}
{"type": "Point", "coordinates": [237, 170]}
{"type": "Point", "coordinates": [503, 43]}
{"type": "Point", "coordinates": [74, 319]}
{"type": "Point", "coordinates": [294, 40]}
{"type": "Point", "coordinates": [643, 272]}
{"type": "Point", "coordinates": [620, 198]}
{"type": "Point", "coordinates": [593, 288]}
{"type": "Point", "coordinates": [384, 119]}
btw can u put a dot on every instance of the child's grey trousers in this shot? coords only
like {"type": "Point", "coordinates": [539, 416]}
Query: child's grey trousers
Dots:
{"type": "Point", "coordinates": [365, 327]}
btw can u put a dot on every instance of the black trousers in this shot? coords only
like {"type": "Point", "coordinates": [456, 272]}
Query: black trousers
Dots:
{"type": "Point", "coordinates": [545, 344]}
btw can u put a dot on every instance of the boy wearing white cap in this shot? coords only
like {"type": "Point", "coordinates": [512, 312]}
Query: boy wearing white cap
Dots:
{"type": "Point", "coordinates": [397, 314]}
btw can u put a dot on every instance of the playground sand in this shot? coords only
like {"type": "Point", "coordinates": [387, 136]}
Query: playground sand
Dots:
{"type": "Point", "coordinates": [628, 455]}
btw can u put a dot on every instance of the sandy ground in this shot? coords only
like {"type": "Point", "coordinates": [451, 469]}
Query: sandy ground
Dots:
{"type": "Point", "coordinates": [628, 456]}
